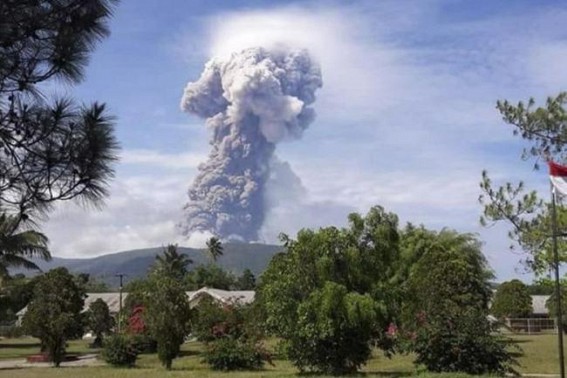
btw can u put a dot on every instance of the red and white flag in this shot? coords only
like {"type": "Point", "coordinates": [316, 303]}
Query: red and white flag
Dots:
{"type": "Point", "coordinates": [558, 176]}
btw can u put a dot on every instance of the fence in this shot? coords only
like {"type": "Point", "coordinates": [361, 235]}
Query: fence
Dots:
{"type": "Point", "coordinates": [531, 326]}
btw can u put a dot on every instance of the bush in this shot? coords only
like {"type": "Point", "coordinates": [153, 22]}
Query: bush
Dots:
{"type": "Point", "coordinates": [462, 343]}
{"type": "Point", "coordinates": [119, 350]}
{"type": "Point", "coordinates": [231, 354]}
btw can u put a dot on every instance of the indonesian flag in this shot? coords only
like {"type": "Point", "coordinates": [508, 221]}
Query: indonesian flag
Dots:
{"type": "Point", "coordinates": [558, 176]}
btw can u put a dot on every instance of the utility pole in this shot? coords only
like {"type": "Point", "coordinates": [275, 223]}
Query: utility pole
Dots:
{"type": "Point", "coordinates": [121, 275]}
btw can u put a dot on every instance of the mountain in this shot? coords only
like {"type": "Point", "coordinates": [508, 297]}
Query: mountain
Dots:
{"type": "Point", "coordinates": [135, 263]}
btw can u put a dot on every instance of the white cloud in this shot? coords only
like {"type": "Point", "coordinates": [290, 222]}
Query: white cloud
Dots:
{"type": "Point", "coordinates": [146, 157]}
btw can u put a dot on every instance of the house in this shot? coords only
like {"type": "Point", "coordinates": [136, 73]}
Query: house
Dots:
{"type": "Point", "coordinates": [113, 299]}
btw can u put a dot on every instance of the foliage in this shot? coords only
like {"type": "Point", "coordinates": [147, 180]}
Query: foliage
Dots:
{"type": "Point", "coordinates": [551, 305]}
{"type": "Point", "coordinates": [15, 293]}
{"type": "Point", "coordinates": [18, 245]}
{"type": "Point", "coordinates": [446, 306]}
{"type": "Point", "coordinates": [545, 130]}
{"type": "Point", "coordinates": [451, 275]}
{"type": "Point", "coordinates": [172, 262]}
{"type": "Point", "coordinates": [332, 293]}
{"type": "Point", "coordinates": [143, 343]}
{"type": "Point", "coordinates": [90, 284]}
{"type": "Point", "coordinates": [462, 343]}
{"type": "Point", "coordinates": [210, 275]}
{"type": "Point", "coordinates": [99, 320]}
{"type": "Point", "coordinates": [52, 150]}
{"type": "Point", "coordinates": [215, 248]}
{"type": "Point", "coordinates": [512, 300]}
{"type": "Point", "coordinates": [233, 354]}
{"type": "Point", "coordinates": [54, 313]}
{"type": "Point", "coordinates": [119, 350]}
{"type": "Point", "coordinates": [167, 315]}
{"type": "Point", "coordinates": [247, 281]}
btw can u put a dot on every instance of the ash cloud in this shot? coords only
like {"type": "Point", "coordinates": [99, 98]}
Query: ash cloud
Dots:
{"type": "Point", "coordinates": [251, 101]}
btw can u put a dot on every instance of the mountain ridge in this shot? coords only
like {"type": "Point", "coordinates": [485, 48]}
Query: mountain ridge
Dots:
{"type": "Point", "coordinates": [136, 262]}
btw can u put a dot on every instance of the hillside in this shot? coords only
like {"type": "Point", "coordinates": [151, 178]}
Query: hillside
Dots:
{"type": "Point", "coordinates": [135, 263]}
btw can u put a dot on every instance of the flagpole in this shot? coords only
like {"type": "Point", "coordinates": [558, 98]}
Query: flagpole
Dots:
{"type": "Point", "coordinates": [559, 312]}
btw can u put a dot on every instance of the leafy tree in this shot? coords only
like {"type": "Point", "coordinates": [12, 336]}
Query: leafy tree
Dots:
{"type": "Point", "coordinates": [551, 305]}
{"type": "Point", "coordinates": [528, 215]}
{"type": "Point", "coordinates": [54, 313]}
{"type": "Point", "coordinates": [99, 320]}
{"type": "Point", "coordinates": [215, 248]}
{"type": "Point", "coordinates": [172, 262]}
{"type": "Point", "coordinates": [17, 246]}
{"type": "Point", "coordinates": [90, 284]}
{"type": "Point", "coordinates": [52, 150]}
{"type": "Point", "coordinates": [512, 300]}
{"type": "Point", "coordinates": [209, 275]}
{"type": "Point", "coordinates": [446, 306]}
{"type": "Point", "coordinates": [331, 294]}
{"type": "Point", "coordinates": [15, 293]}
{"type": "Point", "coordinates": [247, 281]}
{"type": "Point", "coordinates": [451, 275]}
{"type": "Point", "coordinates": [167, 315]}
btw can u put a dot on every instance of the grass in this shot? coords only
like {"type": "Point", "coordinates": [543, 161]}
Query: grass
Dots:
{"type": "Point", "coordinates": [539, 356]}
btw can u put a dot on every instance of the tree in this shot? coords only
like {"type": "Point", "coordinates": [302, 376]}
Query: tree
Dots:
{"type": "Point", "coordinates": [15, 293]}
{"type": "Point", "coordinates": [214, 247]}
{"type": "Point", "coordinates": [167, 315]}
{"type": "Point", "coordinates": [545, 130]}
{"type": "Point", "coordinates": [17, 246]}
{"type": "Point", "coordinates": [512, 300]}
{"type": "Point", "coordinates": [446, 306]}
{"type": "Point", "coordinates": [209, 275]}
{"type": "Point", "coordinates": [451, 275]}
{"type": "Point", "coordinates": [551, 305]}
{"type": "Point", "coordinates": [54, 313]}
{"type": "Point", "coordinates": [172, 262]}
{"type": "Point", "coordinates": [330, 295]}
{"type": "Point", "coordinates": [247, 281]}
{"type": "Point", "coordinates": [53, 150]}
{"type": "Point", "coordinates": [99, 320]}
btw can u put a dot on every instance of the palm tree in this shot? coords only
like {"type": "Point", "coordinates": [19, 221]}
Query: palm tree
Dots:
{"type": "Point", "coordinates": [172, 262]}
{"type": "Point", "coordinates": [18, 246]}
{"type": "Point", "coordinates": [214, 247]}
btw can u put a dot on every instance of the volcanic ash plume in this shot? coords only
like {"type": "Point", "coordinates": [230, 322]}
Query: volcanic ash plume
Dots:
{"type": "Point", "coordinates": [251, 101]}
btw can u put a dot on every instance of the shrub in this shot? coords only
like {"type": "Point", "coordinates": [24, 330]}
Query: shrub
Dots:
{"type": "Point", "coordinates": [231, 354]}
{"type": "Point", "coordinates": [119, 350]}
{"type": "Point", "coordinates": [462, 343]}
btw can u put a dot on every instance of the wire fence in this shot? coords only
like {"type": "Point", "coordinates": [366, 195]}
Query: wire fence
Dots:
{"type": "Point", "coordinates": [531, 326]}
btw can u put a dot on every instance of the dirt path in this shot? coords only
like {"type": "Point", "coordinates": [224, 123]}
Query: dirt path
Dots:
{"type": "Point", "coordinates": [85, 360]}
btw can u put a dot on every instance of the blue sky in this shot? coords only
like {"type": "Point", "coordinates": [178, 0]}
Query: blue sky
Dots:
{"type": "Point", "coordinates": [406, 117]}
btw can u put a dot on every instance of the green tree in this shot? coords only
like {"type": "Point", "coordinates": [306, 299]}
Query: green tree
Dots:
{"type": "Point", "coordinates": [210, 275]}
{"type": "Point", "coordinates": [512, 300]}
{"type": "Point", "coordinates": [446, 306]}
{"type": "Point", "coordinates": [17, 246]}
{"type": "Point", "coordinates": [215, 248]}
{"type": "Point", "coordinates": [167, 315]}
{"type": "Point", "coordinates": [54, 313]}
{"type": "Point", "coordinates": [551, 305]}
{"type": "Point", "coordinates": [172, 262]}
{"type": "Point", "coordinates": [99, 320]}
{"type": "Point", "coordinates": [331, 294]}
{"type": "Point", "coordinates": [246, 281]}
{"type": "Point", "coordinates": [451, 275]}
{"type": "Point", "coordinates": [52, 150]}
{"type": "Point", "coordinates": [15, 293]}
{"type": "Point", "coordinates": [528, 215]}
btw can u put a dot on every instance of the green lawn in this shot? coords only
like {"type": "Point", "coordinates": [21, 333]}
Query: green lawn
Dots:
{"type": "Point", "coordinates": [539, 356]}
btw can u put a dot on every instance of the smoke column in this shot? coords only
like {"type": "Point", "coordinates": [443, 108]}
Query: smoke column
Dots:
{"type": "Point", "coordinates": [251, 101]}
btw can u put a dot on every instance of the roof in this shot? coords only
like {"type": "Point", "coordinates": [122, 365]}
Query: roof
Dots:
{"type": "Point", "coordinates": [223, 296]}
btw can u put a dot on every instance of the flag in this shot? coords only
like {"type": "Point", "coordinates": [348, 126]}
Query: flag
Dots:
{"type": "Point", "coordinates": [558, 176]}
